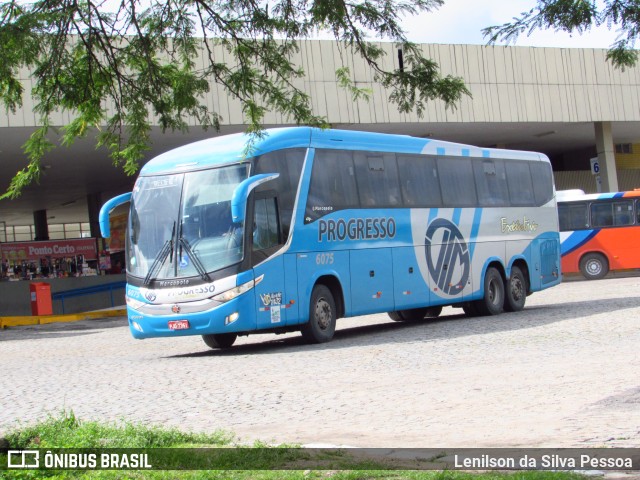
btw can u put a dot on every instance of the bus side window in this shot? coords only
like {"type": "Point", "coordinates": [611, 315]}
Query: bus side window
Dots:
{"type": "Point", "coordinates": [520, 184]}
{"type": "Point", "coordinates": [377, 179]}
{"type": "Point", "coordinates": [491, 183]}
{"type": "Point", "coordinates": [419, 181]}
{"type": "Point", "coordinates": [333, 184]}
{"type": "Point", "coordinates": [623, 213]}
{"type": "Point", "coordinates": [564, 217]}
{"type": "Point", "coordinates": [288, 163]}
{"type": "Point", "coordinates": [572, 216]}
{"type": "Point", "coordinates": [457, 182]}
{"type": "Point", "coordinates": [637, 212]}
{"type": "Point", "coordinates": [602, 214]}
{"type": "Point", "coordinates": [542, 177]}
{"type": "Point", "coordinates": [265, 224]}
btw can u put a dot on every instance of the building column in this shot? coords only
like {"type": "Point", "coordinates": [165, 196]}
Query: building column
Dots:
{"type": "Point", "coordinates": [94, 202]}
{"type": "Point", "coordinates": [606, 156]}
{"type": "Point", "coordinates": [40, 224]}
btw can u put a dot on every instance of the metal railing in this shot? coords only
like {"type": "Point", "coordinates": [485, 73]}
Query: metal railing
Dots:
{"type": "Point", "coordinates": [78, 292]}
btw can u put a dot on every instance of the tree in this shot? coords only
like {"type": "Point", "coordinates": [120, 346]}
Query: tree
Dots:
{"type": "Point", "coordinates": [578, 16]}
{"type": "Point", "coordinates": [140, 60]}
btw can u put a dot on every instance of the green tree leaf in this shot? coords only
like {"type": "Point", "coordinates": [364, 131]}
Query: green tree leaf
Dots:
{"type": "Point", "coordinates": [119, 68]}
{"type": "Point", "coordinates": [578, 16]}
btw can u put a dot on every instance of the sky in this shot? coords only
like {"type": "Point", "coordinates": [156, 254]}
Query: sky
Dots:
{"type": "Point", "coordinates": [461, 22]}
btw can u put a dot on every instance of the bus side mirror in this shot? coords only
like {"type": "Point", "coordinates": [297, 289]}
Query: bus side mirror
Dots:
{"type": "Point", "coordinates": [241, 194]}
{"type": "Point", "coordinates": [107, 208]}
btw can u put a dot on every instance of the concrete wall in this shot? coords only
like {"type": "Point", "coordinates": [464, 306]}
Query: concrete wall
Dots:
{"type": "Point", "coordinates": [509, 84]}
{"type": "Point", "coordinates": [628, 179]}
{"type": "Point", "coordinates": [15, 298]}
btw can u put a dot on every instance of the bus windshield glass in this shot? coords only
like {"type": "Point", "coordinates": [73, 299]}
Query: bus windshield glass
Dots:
{"type": "Point", "coordinates": [180, 225]}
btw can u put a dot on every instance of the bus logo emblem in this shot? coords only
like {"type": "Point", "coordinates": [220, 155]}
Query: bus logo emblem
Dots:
{"type": "Point", "coordinates": [447, 254]}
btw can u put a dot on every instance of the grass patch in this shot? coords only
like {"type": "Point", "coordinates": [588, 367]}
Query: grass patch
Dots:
{"type": "Point", "coordinates": [234, 462]}
{"type": "Point", "coordinates": [66, 431]}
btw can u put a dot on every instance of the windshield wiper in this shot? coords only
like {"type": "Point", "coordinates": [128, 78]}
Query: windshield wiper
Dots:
{"type": "Point", "coordinates": [194, 258]}
{"type": "Point", "coordinates": [167, 250]}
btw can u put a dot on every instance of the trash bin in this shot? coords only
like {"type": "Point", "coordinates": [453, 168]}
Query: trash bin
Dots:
{"type": "Point", "coordinates": [40, 298]}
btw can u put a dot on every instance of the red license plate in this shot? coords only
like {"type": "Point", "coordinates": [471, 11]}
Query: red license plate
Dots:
{"type": "Point", "coordinates": [179, 325]}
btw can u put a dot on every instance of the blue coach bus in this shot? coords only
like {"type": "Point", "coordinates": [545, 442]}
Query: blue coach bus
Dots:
{"type": "Point", "coordinates": [314, 225]}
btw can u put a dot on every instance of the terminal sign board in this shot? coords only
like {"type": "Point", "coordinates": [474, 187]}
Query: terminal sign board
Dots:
{"type": "Point", "coordinates": [32, 251]}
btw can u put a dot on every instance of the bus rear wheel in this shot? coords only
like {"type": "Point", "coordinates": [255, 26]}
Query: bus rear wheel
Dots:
{"type": "Point", "coordinates": [219, 340]}
{"type": "Point", "coordinates": [493, 301]}
{"type": "Point", "coordinates": [594, 266]}
{"type": "Point", "coordinates": [516, 291]}
{"type": "Point", "coordinates": [322, 316]}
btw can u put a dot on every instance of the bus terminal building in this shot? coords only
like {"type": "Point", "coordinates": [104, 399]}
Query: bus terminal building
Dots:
{"type": "Point", "coordinates": [570, 104]}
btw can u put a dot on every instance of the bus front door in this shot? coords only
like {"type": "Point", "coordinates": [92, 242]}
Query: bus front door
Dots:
{"type": "Point", "coordinates": [266, 241]}
{"type": "Point", "coordinates": [270, 293]}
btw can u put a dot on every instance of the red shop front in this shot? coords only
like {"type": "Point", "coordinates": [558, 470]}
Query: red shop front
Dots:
{"type": "Point", "coordinates": [49, 259]}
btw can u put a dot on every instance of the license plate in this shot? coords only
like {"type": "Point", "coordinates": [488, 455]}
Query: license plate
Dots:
{"type": "Point", "coordinates": [179, 325]}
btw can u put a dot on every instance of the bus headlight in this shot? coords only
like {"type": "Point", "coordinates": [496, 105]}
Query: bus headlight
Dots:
{"type": "Point", "coordinates": [236, 291]}
{"type": "Point", "coordinates": [133, 303]}
{"type": "Point", "coordinates": [137, 326]}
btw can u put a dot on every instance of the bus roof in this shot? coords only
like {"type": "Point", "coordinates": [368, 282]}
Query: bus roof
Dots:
{"type": "Point", "coordinates": [227, 149]}
{"type": "Point", "coordinates": [563, 196]}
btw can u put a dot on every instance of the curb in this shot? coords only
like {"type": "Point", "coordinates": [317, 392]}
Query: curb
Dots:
{"type": "Point", "coordinates": [45, 319]}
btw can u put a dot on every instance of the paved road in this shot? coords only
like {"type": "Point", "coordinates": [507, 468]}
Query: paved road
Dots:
{"type": "Point", "coordinates": [562, 373]}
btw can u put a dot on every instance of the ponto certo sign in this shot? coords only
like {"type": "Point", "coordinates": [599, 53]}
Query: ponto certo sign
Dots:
{"type": "Point", "coordinates": [57, 249]}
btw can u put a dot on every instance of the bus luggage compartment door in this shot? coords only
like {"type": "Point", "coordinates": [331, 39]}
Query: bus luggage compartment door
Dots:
{"type": "Point", "coordinates": [371, 280]}
{"type": "Point", "coordinates": [549, 261]}
{"type": "Point", "coordinates": [410, 287]}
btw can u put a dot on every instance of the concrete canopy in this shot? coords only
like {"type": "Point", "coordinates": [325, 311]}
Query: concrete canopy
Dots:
{"type": "Point", "coordinates": [524, 98]}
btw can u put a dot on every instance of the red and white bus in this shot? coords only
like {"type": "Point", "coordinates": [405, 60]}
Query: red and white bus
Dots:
{"type": "Point", "coordinates": [599, 232]}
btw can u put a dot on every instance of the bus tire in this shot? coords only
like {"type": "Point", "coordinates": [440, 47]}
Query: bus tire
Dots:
{"type": "Point", "coordinates": [493, 301]}
{"type": "Point", "coordinates": [411, 315]}
{"type": "Point", "coordinates": [515, 291]}
{"type": "Point", "coordinates": [433, 312]}
{"type": "Point", "coordinates": [219, 340]}
{"type": "Point", "coordinates": [594, 266]}
{"type": "Point", "coordinates": [469, 309]}
{"type": "Point", "coordinates": [322, 316]}
{"type": "Point", "coordinates": [396, 316]}
{"type": "Point", "coordinates": [415, 314]}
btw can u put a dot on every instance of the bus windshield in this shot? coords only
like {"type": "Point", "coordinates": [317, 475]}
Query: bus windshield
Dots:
{"type": "Point", "coordinates": [180, 225]}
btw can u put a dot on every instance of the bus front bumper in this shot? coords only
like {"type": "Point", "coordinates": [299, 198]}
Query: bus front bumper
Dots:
{"type": "Point", "coordinates": [236, 315]}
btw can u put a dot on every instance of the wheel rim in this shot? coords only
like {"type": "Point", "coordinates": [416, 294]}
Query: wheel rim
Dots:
{"type": "Point", "coordinates": [323, 314]}
{"type": "Point", "coordinates": [517, 289]}
{"type": "Point", "coordinates": [594, 267]}
{"type": "Point", "coordinates": [493, 292]}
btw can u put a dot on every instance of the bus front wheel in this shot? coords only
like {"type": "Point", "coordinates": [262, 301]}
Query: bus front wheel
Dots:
{"type": "Point", "coordinates": [219, 340]}
{"type": "Point", "coordinates": [594, 266]}
{"type": "Point", "coordinates": [493, 301]}
{"type": "Point", "coordinates": [516, 291]}
{"type": "Point", "coordinates": [322, 316]}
